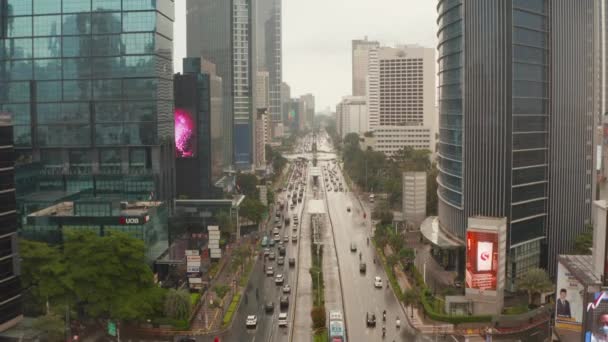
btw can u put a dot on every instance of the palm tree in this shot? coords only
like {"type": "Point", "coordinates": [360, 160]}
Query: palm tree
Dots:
{"type": "Point", "coordinates": [534, 281]}
{"type": "Point", "coordinates": [410, 298]}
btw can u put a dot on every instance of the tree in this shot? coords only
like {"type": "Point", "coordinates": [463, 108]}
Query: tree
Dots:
{"type": "Point", "coordinates": [52, 326]}
{"type": "Point", "coordinates": [381, 236]}
{"type": "Point", "coordinates": [431, 191]}
{"type": "Point", "coordinates": [318, 317]}
{"type": "Point", "coordinates": [252, 209]}
{"type": "Point", "coordinates": [224, 220]}
{"type": "Point", "coordinates": [584, 241]}
{"type": "Point", "coordinates": [177, 304]}
{"type": "Point", "coordinates": [411, 299]}
{"type": "Point", "coordinates": [107, 274]}
{"type": "Point", "coordinates": [248, 184]}
{"type": "Point", "coordinates": [535, 281]}
{"type": "Point", "coordinates": [406, 255]}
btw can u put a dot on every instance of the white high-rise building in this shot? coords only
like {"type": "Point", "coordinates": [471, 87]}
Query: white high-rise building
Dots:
{"type": "Point", "coordinates": [351, 116]}
{"type": "Point", "coordinates": [360, 51]}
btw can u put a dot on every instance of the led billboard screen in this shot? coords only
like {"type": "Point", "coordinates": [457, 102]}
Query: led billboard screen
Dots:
{"type": "Point", "coordinates": [185, 133]}
{"type": "Point", "coordinates": [569, 303]}
{"type": "Point", "coordinates": [596, 317]}
{"type": "Point", "coordinates": [482, 260]}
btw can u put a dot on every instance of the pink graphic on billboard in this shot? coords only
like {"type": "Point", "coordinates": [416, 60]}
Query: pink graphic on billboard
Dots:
{"type": "Point", "coordinates": [185, 134]}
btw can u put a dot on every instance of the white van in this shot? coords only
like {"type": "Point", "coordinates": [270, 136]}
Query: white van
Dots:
{"type": "Point", "coordinates": [283, 319]}
{"type": "Point", "coordinates": [371, 198]}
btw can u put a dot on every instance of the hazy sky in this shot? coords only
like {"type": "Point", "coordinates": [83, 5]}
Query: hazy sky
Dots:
{"type": "Point", "coordinates": [317, 38]}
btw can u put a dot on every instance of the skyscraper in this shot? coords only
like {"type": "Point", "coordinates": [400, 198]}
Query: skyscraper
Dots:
{"type": "Point", "coordinates": [309, 116]}
{"type": "Point", "coordinates": [10, 284]}
{"type": "Point", "coordinates": [270, 51]}
{"type": "Point", "coordinates": [223, 32]}
{"type": "Point", "coordinates": [89, 84]}
{"type": "Point", "coordinates": [360, 56]}
{"type": "Point", "coordinates": [516, 104]}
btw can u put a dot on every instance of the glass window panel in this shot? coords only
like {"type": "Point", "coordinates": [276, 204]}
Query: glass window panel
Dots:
{"type": "Point", "coordinates": [19, 27]}
{"type": "Point", "coordinates": [107, 45]}
{"type": "Point", "coordinates": [529, 192]}
{"type": "Point", "coordinates": [19, 7]}
{"type": "Point", "coordinates": [108, 112]}
{"type": "Point", "coordinates": [529, 140]}
{"type": "Point", "coordinates": [49, 113]}
{"type": "Point", "coordinates": [134, 5]}
{"type": "Point", "coordinates": [47, 47]}
{"type": "Point", "coordinates": [164, 47]}
{"type": "Point", "coordinates": [525, 176]}
{"type": "Point", "coordinates": [77, 23]}
{"type": "Point", "coordinates": [107, 89]}
{"type": "Point", "coordinates": [139, 21]}
{"type": "Point", "coordinates": [64, 135]}
{"type": "Point", "coordinates": [167, 8]}
{"type": "Point", "coordinates": [47, 69]}
{"type": "Point", "coordinates": [137, 158]}
{"type": "Point", "coordinates": [527, 230]}
{"type": "Point", "coordinates": [20, 70]}
{"type": "Point", "coordinates": [22, 135]}
{"type": "Point", "coordinates": [47, 7]}
{"type": "Point", "coordinates": [533, 5]}
{"type": "Point", "coordinates": [529, 89]}
{"type": "Point", "coordinates": [140, 66]}
{"type": "Point", "coordinates": [48, 91]}
{"type": "Point", "coordinates": [106, 23]}
{"type": "Point", "coordinates": [140, 111]}
{"type": "Point", "coordinates": [135, 89]}
{"type": "Point", "coordinates": [529, 158]}
{"type": "Point", "coordinates": [138, 43]}
{"type": "Point", "coordinates": [524, 123]}
{"type": "Point", "coordinates": [47, 25]}
{"type": "Point", "coordinates": [75, 112]}
{"type": "Point", "coordinates": [106, 5]}
{"type": "Point", "coordinates": [529, 106]}
{"type": "Point", "coordinates": [527, 209]}
{"type": "Point", "coordinates": [76, 90]}
{"type": "Point", "coordinates": [527, 19]}
{"type": "Point", "coordinates": [107, 67]}
{"type": "Point", "coordinates": [18, 48]}
{"type": "Point", "coordinates": [164, 26]}
{"type": "Point", "coordinates": [20, 112]}
{"type": "Point", "coordinates": [76, 68]}
{"type": "Point", "coordinates": [74, 6]}
{"type": "Point", "coordinates": [532, 72]}
{"type": "Point", "coordinates": [109, 159]}
{"type": "Point", "coordinates": [17, 92]}
{"type": "Point", "coordinates": [78, 46]}
{"type": "Point", "coordinates": [529, 37]}
{"type": "Point", "coordinates": [141, 133]}
{"type": "Point", "coordinates": [108, 134]}
{"type": "Point", "coordinates": [529, 54]}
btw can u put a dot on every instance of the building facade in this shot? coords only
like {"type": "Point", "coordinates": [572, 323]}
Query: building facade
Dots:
{"type": "Point", "coordinates": [360, 61]}
{"type": "Point", "coordinates": [261, 131]}
{"type": "Point", "coordinates": [223, 32]}
{"type": "Point", "coordinates": [515, 78]}
{"type": "Point", "coordinates": [309, 117]}
{"type": "Point", "coordinates": [89, 84]}
{"type": "Point", "coordinates": [352, 116]}
{"type": "Point", "coordinates": [401, 86]}
{"type": "Point", "coordinates": [218, 150]}
{"type": "Point", "coordinates": [390, 139]}
{"type": "Point", "coordinates": [414, 198]}
{"type": "Point", "coordinates": [270, 52]}
{"type": "Point", "coordinates": [10, 283]}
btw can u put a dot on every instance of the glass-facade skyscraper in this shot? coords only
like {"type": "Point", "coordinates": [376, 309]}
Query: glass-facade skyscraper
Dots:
{"type": "Point", "coordinates": [516, 104]}
{"type": "Point", "coordinates": [89, 84]}
{"type": "Point", "coordinates": [270, 51]}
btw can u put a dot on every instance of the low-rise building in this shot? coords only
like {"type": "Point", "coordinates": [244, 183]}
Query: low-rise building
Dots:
{"type": "Point", "coordinates": [414, 198]}
{"type": "Point", "coordinates": [390, 139]}
{"type": "Point", "coordinates": [352, 116]}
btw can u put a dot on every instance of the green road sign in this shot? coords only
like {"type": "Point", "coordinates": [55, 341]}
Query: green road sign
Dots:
{"type": "Point", "coordinates": [111, 328]}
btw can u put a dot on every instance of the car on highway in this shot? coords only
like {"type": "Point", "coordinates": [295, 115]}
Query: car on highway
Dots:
{"type": "Point", "coordinates": [353, 247]}
{"type": "Point", "coordinates": [282, 319]}
{"type": "Point", "coordinates": [286, 238]}
{"type": "Point", "coordinates": [370, 319]}
{"type": "Point", "coordinates": [266, 251]}
{"type": "Point", "coordinates": [271, 242]}
{"type": "Point", "coordinates": [187, 339]}
{"type": "Point", "coordinates": [292, 262]}
{"type": "Point", "coordinates": [362, 267]}
{"type": "Point", "coordinates": [279, 279]}
{"type": "Point", "coordinates": [284, 302]}
{"type": "Point", "coordinates": [281, 261]}
{"type": "Point", "coordinates": [281, 251]}
{"type": "Point", "coordinates": [286, 288]}
{"type": "Point", "coordinates": [277, 237]}
{"type": "Point", "coordinates": [378, 282]}
{"type": "Point", "coordinates": [348, 209]}
{"type": "Point", "coordinates": [252, 321]}
{"type": "Point", "coordinates": [272, 256]}
{"type": "Point", "coordinates": [269, 307]}
{"type": "Point", "coordinates": [294, 238]}
{"type": "Point", "coordinates": [269, 271]}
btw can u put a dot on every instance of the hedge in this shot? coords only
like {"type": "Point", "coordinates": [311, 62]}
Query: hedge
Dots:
{"type": "Point", "coordinates": [194, 298]}
{"type": "Point", "coordinates": [231, 309]}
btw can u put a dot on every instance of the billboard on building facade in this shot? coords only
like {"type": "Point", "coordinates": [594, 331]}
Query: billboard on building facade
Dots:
{"type": "Point", "coordinates": [185, 133]}
{"type": "Point", "coordinates": [569, 302]}
{"type": "Point", "coordinates": [482, 260]}
{"type": "Point", "coordinates": [596, 317]}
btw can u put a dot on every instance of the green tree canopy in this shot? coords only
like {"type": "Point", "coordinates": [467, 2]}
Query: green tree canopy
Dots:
{"type": "Point", "coordinates": [44, 272]}
{"type": "Point", "coordinates": [247, 183]}
{"type": "Point", "coordinates": [535, 281]}
{"type": "Point", "coordinates": [177, 304]}
{"type": "Point", "coordinates": [252, 209]}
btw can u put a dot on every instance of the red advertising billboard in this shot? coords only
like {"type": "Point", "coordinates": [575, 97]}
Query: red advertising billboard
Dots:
{"type": "Point", "coordinates": [482, 260]}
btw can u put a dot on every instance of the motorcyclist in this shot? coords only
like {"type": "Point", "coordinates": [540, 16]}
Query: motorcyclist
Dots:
{"type": "Point", "coordinates": [398, 322]}
{"type": "Point", "coordinates": [359, 256]}
{"type": "Point", "coordinates": [368, 241]}
{"type": "Point", "coordinates": [384, 316]}
{"type": "Point", "coordinates": [383, 332]}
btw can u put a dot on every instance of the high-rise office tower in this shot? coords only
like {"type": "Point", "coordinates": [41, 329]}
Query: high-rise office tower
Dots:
{"type": "Point", "coordinates": [516, 106]}
{"type": "Point", "coordinates": [10, 284]}
{"type": "Point", "coordinates": [270, 51]}
{"type": "Point", "coordinates": [90, 86]}
{"type": "Point", "coordinates": [309, 116]}
{"type": "Point", "coordinates": [218, 150]}
{"type": "Point", "coordinates": [285, 100]}
{"type": "Point", "coordinates": [223, 32]}
{"type": "Point", "coordinates": [360, 56]}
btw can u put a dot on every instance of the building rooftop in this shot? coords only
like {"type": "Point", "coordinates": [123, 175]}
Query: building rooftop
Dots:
{"type": "Point", "coordinates": [67, 209]}
{"type": "Point", "coordinates": [581, 267]}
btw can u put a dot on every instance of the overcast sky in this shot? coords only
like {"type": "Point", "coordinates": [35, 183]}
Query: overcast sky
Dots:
{"type": "Point", "coordinates": [317, 38]}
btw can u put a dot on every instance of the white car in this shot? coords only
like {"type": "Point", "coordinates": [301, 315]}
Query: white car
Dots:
{"type": "Point", "coordinates": [279, 279]}
{"type": "Point", "coordinates": [286, 288]}
{"type": "Point", "coordinates": [283, 319]}
{"type": "Point", "coordinates": [252, 321]}
{"type": "Point", "coordinates": [378, 282]}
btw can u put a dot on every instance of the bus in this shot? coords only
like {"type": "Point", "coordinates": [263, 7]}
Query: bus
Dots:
{"type": "Point", "coordinates": [336, 330]}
